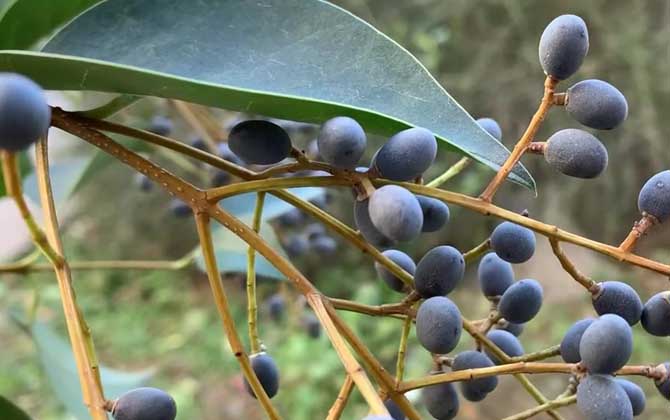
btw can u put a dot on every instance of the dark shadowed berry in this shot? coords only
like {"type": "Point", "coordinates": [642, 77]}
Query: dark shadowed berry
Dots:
{"type": "Point", "coordinates": [438, 325]}
{"type": "Point", "coordinates": [291, 218]}
{"type": "Point", "coordinates": [599, 397]}
{"type": "Point", "coordinates": [563, 46]}
{"type": "Point", "coordinates": [323, 245]}
{"type": "Point", "coordinates": [606, 345]}
{"type": "Point", "coordinates": [396, 213]}
{"type": "Point", "coordinates": [24, 113]}
{"type": "Point", "coordinates": [267, 373]}
{"type": "Point", "coordinates": [395, 411]}
{"type": "Point", "coordinates": [571, 339]}
{"type": "Point", "coordinates": [342, 142]}
{"type": "Point", "coordinates": [654, 198]}
{"type": "Point", "coordinates": [441, 400]}
{"type": "Point", "coordinates": [663, 384]}
{"type": "Point", "coordinates": [365, 226]}
{"type": "Point", "coordinates": [259, 142]}
{"type": "Point", "coordinates": [596, 104]}
{"type": "Point", "coordinates": [145, 404]}
{"type": "Point", "coordinates": [312, 326]}
{"type": "Point", "coordinates": [491, 126]}
{"type": "Point", "coordinates": [577, 153]}
{"type": "Point", "coordinates": [635, 394]}
{"type": "Point", "coordinates": [161, 125]}
{"type": "Point", "coordinates": [435, 213]}
{"type": "Point", "coordinates": [200, 144]}
{"type": "Point", "coordinates": [403, 260]}
{"type": "Point", "coordinates": [143, 182]}
{"type": "Point", "coordinates": [656, 315]}
{"type": "Point", "coordinates": [179, 208]}
{"type": "Point", "coordinates": [495, 275]}
{"type": "Point", "coordinates": [439, 271]}
{"type": "Point", "coordinates": [276, 307]}
{"type": "Point", "coordinates": [314, 229]}
{"type": "Point", "coordinates": [510, 327]}
{"type": "Point", "coordinates": [406, 155]}
{"type": "Point", "coordinates": [475, 389]}
{"type": "Point", "coordinates": [521, 301]}
{"type": "Point", "coordinates": [224, 152]}
{"type": "Point", "coordinates": [513, 243]}
{"type": "Point", "coordinates": [296, 246]}
{"type": "Point", "coordinates": [618, 298]}
{"type": "Point", "coordinates": [507, 342]}
{"type": "Point", "coordinates": [221, 178]}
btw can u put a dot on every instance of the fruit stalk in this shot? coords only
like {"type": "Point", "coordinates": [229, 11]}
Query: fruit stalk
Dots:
{"type": "Point", "coordinates": [451, 172]}
{"type": "Point", "coordinates": [221, 300]}
{"type": "Point", "coordinates": [402, 349]}
{"type": "Point", "coordinates": [252, 313]}
{"type": "Point", "coordinates": [531, 412]}
{"type": "Point", "coordinates": [78, 330]}
{"type": "Point", "coordinates": [570, 268]}
{"type": "Point", "coordinates": [476, 252]}
{"type": "Point", "coordinates": [342, 397]}
{"type": "Point", "coordinates": [640, 228]}
{"type": "Point", "coordinates": [527, 137]}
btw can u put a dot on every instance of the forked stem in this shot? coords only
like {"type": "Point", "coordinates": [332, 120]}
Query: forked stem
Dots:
{"type": "Point", "coordinates": [527, 137]}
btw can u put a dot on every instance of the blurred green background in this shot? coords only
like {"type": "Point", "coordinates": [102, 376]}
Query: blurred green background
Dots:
{"type": "Point", "coordinates": [485, 54]}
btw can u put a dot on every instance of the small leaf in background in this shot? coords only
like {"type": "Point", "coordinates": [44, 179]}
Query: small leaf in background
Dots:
{"type": "Point", "coordinates": [231, 251]}
{"type": "Point", "coordinates": [58, 362]}
{"type": "Point", "coordinates": [308, 60]}
{"type": "Point", "coordinates": [9, 411]}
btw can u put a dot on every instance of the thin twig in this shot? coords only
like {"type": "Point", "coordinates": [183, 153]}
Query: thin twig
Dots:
{"type": "Point", "coordinates": [251, 278]}
{"type": "Point", "coordinates": [538, 355]}
{"type": "Point", "coordinates": [527, 137]}
{"type": "Point", "coordinates": [341, 401]}
{"type": "Point", "coordinates": [476, 252]}
{"type": "Point", "coordinates": [569, 267]}
{"type": "Point", "coordinates": [402, 349]}
{"type": "Point", "coordinates": [453, 170]}
{"type": "Point", "coordinates": [550, 405]}
{"type": "Point", "coordinates": [78, 330]}
{"type": "Point", "coordinates": [221, 300]}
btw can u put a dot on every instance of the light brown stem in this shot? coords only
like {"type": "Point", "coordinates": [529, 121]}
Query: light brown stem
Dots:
{"type": "Point", "coordinates": [341, 401]}
{"type": "Point", "coordinates": [400, 309]}
{"type": "Point", "coordinates": [402, 349]}
{"type": "Point", "coordinates": [570, 268]}
{"type": "Point", "coordinates": [78, 330]}
{"type": "Point", "coordinates": [472, 255]}
{"type": "Point", "coordinates": [532, 412]}
{"type": "Point", "coordinates": [640, 228]}
{"type": "Point", "coordinates": [453, 170]}
{"type": "Point", "coordinates": [100, 265]}
{"type": "Point", "coordinates": [221, 300]}
{"type": "Point", "coordinates": [521, 146]}
{"type": "Point", "coordinates": [252, 307]}
{"type": "Point", "coordinates": [354, 370]}
{"type": "Point", "coordinates": [537, 147]}
{"type": "Point", "coordinates": [538, 355]}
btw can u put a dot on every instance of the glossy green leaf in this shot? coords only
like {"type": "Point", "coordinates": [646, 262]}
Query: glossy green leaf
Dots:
{"type": "Point", "coordinates": [9, 411]}
{"type": "Point", "coordinates": [58, 363]}
{"type": "Point", "coordinates": [231, 251]}
{"type": "Point", "coordinates": [304, 60]}
{"type": "Point", "coordinates": [25, 22]}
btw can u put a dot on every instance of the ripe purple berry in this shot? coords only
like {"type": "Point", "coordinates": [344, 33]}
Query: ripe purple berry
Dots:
{"type": "Point", "coordinates": [563, 46]}
{"type": "Point", "coordinates": [438, 325]}
{"type": "Point", "coordinates": [24, 113]}
{"type": "Point", "coordinates": [596, 104]}
{"type": "Point", "coordinates": [406, 155]}
{"type": "Point", "coordinates": [654, 198]}
{"type": "Point", "coordinates": [576, 153]}
{"type": "Point", "coordinates": [144, 404]}
{"type": "Point", "coordinates": [259, 142]}
{"type": "Point", "coordinates": [341, 142]}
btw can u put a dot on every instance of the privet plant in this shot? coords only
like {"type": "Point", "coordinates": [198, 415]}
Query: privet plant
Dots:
{"type": "Point", "coordinates": [393, 204]}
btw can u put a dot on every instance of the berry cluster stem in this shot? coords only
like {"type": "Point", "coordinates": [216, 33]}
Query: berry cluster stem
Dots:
{"type": "Point", "coordinates": [527, 137]}
{"type": "Point", "coordinates": [640, 228]}
{"type": "Point", "coordinates": [252, 306]}
{"type": "Point", "coordinates": [342, 397]}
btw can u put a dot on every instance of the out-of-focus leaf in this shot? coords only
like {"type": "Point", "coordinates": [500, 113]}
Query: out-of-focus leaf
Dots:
{"type": "Point", "coordinates": [66, 174]}
{"type": "Point", "coordinates": [231, 251]}
{"type": "Point", "coordinates": [9, 411]}
{"type": "Point", "coordinates": [58, 363]}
